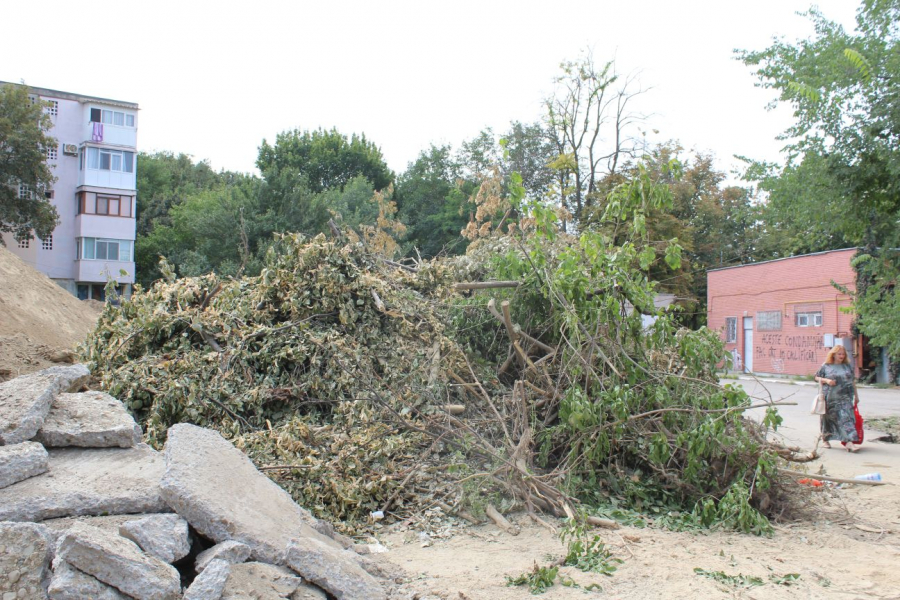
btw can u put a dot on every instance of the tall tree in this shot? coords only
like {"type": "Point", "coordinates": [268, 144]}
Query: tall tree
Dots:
{"type": "Point", "coordinates": [433, 199]}
{"type": "Point", "coordinates": [165, 179]}
{"type": "Point", "coordinates": [324, 159]}
{"type": "Point", "coordinates": [592, 122]}
{"type": "Point", "coordinates": [844, 88]}
{"type": "Point", "coordinates": [26, 178]}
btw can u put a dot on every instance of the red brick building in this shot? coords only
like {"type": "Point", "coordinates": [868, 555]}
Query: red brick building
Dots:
{"type": "Point", "coordinates": [782, 316]}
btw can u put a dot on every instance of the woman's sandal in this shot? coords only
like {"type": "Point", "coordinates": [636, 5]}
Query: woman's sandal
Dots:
{"type": "Point", "coordinates": [825, 444]}
{"type": "Point", "coordinates": [851, 447]}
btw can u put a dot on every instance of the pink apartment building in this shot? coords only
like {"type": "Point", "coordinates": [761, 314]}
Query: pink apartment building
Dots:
{"type": "Point", "coordinates": [95, 193]}
{"type": "Point", "coordinates": [782, 316]}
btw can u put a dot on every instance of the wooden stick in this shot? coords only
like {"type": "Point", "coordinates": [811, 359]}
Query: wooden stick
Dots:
{"type": "Point", "coordinates": [283, 467]}
{"type": "Point", "coordinates": [834, 479]}
{"type": "Point", "coordinates": [459, 513]}
{"type": "Point", "coordinates": [378, 303]}
{"type": "Point", "coordinates": [501, 521]}
{"type": "Point", "coordinates": [455, 409]}
{"type": "Point", "coordinates": [485, 285]}
{"type": "Point", "coordinates": [605, 523]}
{"type": "Point", "coordinates": [510, 330]}
{"type": "Point", "coordinates": [493, 308]}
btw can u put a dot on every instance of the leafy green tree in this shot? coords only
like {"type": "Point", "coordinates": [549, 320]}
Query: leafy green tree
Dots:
{"type": "Point", "coordinates": [715, 225]}
{"type": "Point", "coordinates": [164, 180]}
{"type": "Point", "coordinates": [841, 180]}
{"type": "Point", "coordinates": [323, 160]}
{"type": "Point", "coordinates": [529, 152]}
{"type": "Point", "coordinates": [433, 199]}
{"type": "Point", "coordinates": [26, 178]}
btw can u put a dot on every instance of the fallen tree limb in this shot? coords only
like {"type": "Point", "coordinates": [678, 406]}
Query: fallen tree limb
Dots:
{"type": "Point", "coordinates": [501, 521]}
{"type": "Point", "coordinates": [485, 285]}
{"type": "Point", "coordinates": [459, 513]}
{"type": "Point", "coordinates": [598, 522]}
{"type": "Point", "coordinates": [834, 479]}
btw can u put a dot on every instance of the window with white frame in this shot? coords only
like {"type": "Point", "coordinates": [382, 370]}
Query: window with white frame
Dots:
{"type": "Point", "coordinates": [104, 249]}
{"type": "Point", "coordinates": [52, 153]}
{"type": "Point", "coordinates": [112, 117]}
{"type": "Point", "coordinates": [808, 319]}
{"type": "Point", "coordinates": [24, 241]}
{"type": "Point", "coordinates": [25, 192]}
{"type": "Point", "coordinates": [730, 329]}
{"type": "Point", "coordinates": [104, 159]}
{"type": "Point", "coordinates": [47, 243]}
{"type": "Point", "coordinates": [52, 107]}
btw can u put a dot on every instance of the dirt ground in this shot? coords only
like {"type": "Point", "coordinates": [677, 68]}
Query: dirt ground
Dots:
{"type": "Point", "coordinates": [848, 549]}
{"type": "Point", "coordinates": [40, 323]}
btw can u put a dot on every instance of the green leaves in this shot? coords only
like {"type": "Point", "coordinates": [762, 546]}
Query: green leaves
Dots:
{"type": "Point", "coordinates": [25, 177]}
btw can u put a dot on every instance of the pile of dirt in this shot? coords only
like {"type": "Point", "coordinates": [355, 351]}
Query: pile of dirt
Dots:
{"type": "Point", "coordinates": [41, 322]}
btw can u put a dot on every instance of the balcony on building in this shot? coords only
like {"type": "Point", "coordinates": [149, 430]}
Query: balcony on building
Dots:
{"type": "Point", "coordinates": [105, 167]}
{"type": "Point", "coordinates": [110, 126]}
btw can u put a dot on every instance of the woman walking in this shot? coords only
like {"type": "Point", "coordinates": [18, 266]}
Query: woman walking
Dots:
{"type": "Point", "coordinates": [837, 379]}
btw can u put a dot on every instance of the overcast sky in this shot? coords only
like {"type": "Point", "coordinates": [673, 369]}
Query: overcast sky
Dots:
{"type": "Point", "coordinates": [213, 79]}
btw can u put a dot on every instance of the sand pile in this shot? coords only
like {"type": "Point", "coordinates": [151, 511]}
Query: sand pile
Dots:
{"type": "Point", "coordinates": [40, 323]}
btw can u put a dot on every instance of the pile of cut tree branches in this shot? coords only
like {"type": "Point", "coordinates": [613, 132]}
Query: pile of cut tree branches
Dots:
{"type": "Point", "coordinates": [521, 375]}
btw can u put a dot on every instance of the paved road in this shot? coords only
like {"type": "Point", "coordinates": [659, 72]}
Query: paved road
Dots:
{"type": "Point", "coordinates": [802, 429]}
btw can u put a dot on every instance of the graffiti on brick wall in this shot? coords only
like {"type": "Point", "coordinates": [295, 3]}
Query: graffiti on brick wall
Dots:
{"type": "Point", "coordinates": [789, 348]}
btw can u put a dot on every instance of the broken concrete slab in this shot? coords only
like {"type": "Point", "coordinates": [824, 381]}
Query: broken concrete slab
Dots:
{"type": "Point", "coordinates": [110, 523]}
{"type": "Point", "coordinates": [335, 571]}
{"type": "Point", "coordinates": [25, 554]}
{"type": "Point", "coordinates": [119, 562]}
{"type": "Point", "coordinates": [209, 584]}
{"type": "Point", "coordinates": [88, 482]}
{"type": "Point", "coordinates": [21, 461]}
{"type": "Point", "coordinates": [230, 551]}
{"type": "Point", "coordinates": [260, 581]}
{"type": "Point", "coordinates": [68, 583]}
{"type": "Point", "coordinates": [217, 489]}
{"type": "Point", "coordinates": [88, 420]}
{"type": "Point", "coordinates": [162, 536]}
{"type": "Point", "coordinates": [25, 401]}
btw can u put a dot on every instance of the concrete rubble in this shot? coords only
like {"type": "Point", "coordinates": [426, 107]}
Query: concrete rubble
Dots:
{"type": "Point", "coordinates": [162, 536]}
{"type": "Point", "coordinates": [25, 401]}
{"type": "Point", "coordinates": [21, 461]}
{"type": "Point", "coordinates": [69, 583]}
{"type": "Point", "coordinates": [88, 420]}
{"type": "Point", "coordinates": [118, 562]}
{"type": "Point", "coordinates": [257, 512]}
{"type": "Point", "coordinates": [101, 515]}
{"type": "Point", "coordinates": [209, 584]}
{"type": "Point", "coordinates": [25, 553]}
{"type": "Point", "coordinates": [231, 552]}
{"type": "Point", "coordinates": [88, 482]}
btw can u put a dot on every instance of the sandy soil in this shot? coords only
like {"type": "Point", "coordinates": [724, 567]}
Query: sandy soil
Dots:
{"type": "Point", "coordinates": [40, 323]}
{"type": "Point", "coordinates": [849, 548]}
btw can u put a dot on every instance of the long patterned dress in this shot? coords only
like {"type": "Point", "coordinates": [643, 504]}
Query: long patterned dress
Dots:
{"type": "Point", "coordinates": [839, 421]}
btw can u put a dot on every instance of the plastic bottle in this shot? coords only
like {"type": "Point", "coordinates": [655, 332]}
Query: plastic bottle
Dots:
{"type": "Point", "coordinates": [869, 477]}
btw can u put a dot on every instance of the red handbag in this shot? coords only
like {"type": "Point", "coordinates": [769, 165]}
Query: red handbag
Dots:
{"type": "Point", "coordinates": [859, 426]}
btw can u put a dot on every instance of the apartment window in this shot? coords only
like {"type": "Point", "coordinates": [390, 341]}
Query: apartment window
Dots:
{"type": "Point", "coordinates": [52, 153]}
{"type": "Point", "coordinates": [730, 330]}
{"type": "Point", "coordinates": [52, 107]}
{"type": "Point", "coordinates": [25, 192]}
{"type": "Point", "coordinates": [117, 206]}
{"type": "Point", "coordinates": [104, 249]}
{"type": "Point", "coordinates": [768, 320]}
{"type": "Point", "coordinates": [112, 117]}
{"type": "Point", "coordinates": [47, 243]}
{"type": "Point", "coordinates": [808, 319]}
{"type": "Point", "coordinates": [104, 159]}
